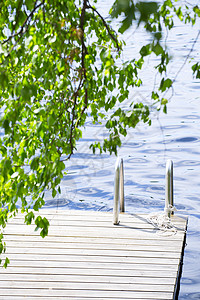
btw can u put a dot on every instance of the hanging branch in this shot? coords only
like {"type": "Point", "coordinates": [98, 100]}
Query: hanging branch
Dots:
{"type": "Point", "coordinates": [107, 27]}
{"type": "Point", "coordinates": [187, 57]}
{"type": "Point", "coordinates": [83, 78]}
{"type": "Point", "coordinates": [20, 32]}
{"type": "Point", "coordinates": [83, 53]}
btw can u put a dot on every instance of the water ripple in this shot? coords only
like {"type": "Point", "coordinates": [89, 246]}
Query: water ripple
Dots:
{"type": "Point", "coordinates": [188, 163]}
{"type": "Point", "coordinates": [102, 173]}
{"type": "Point", "coordinates": [78, 167]}
{"type": "Point", "coordinates": [189, 296]}
{"type": "Point", "coordinates": [134, 160]}
{"type": "Point", "coordinates": [137, 201]}
{"type": "Point", "coordinates": [92, 192]}
{"type": "Point", "coordinates": [155, 188]}
{"type": "Point", "coordinates": [62, 203]}
{"type": "Point", "coordinates": [188, 139]}
{"type": "Point", "coordinates": [59, 202]}
{"type": "Point", "coordinates": [134, 145]}
{"type": "Point", "coordinates": [191, 117]}
{"type": "Point", "coordinates": [173, 127]}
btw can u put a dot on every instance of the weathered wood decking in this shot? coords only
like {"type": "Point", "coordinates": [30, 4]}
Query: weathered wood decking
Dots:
{"type": "Point", "coordinates": [86, 257]}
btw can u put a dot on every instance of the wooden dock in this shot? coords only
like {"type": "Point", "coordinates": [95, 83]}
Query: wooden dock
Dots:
{"type": "Point", "coordinates": [86, 257]}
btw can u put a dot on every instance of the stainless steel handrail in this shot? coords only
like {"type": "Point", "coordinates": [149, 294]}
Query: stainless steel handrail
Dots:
{"type": "Point", "coordinates": [169, 193]}
{"type": "Point", "coordinates": [119, 190]}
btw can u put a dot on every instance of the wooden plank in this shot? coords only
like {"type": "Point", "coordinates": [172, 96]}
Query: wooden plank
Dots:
{"type": "Point", "coordinates": [103, 217]}
{"type": "Point", "coordinates": [70, 221]}
{"type": "Point", "coordinates": [121, 273]}
{"type": "Point", "coordinates": [90, 214]}
{"type": "Point", "coordinates": [68, 218]}
{"type": "Point", "coordinates": [162, 241]}
{"type": "Point", "coordinates": [88, 258]}
{"type": "Point", "coordinates": [114, 232]}
{"type": "Point", "coordinates": [94, 252]}
{"type": "Point", "coordinates": [91, 286]}
{"type": "Point", "coordinates": [100, 246]}
{"type": "Point", "coordinates": [96, 294]}
{"type": "Point", "coordinates": [86, 279]}
{"type": "Point", "coordinates": [140, 269]}
{"type": "Point", "coordinates": [72, 298]}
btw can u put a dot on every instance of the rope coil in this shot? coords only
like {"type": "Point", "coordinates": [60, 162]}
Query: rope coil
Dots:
{"type": "Point", "coordinates": [162, 222]}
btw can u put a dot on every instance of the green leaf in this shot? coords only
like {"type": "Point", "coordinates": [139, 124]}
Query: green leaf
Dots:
{"type": "Point", "coordinates": [6, 262]}
{"type": "Point", "coordinates": [146, 9]}
{"type": "Point", "coordinates": [196, 70]}
{"type": "Point", "coordinates": [35, 163]}
{"type": "Point", "coordinates": [145, 50]}
{"type": "Point", "coordinates": [165, 84]}
{"type": "Point", "coordinates": [29, 217]}
{"type": "Point", "coordinates": [50, 120]}
{"type": "Point", "coordinates": [43, 224]}
{"type": "Point", "coordinates": [164, 101]}
{"type": "Point", "coordinates": [29, 4]}
{"type": "Point", "coordinates": [157, 49]}
{"type": "Point", "coordinates": [196, 9]}
{"type": "Point", "coordinates": [54, 193]}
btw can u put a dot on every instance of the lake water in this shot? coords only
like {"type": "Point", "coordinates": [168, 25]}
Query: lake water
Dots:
{"type": "Point", "coordinates": [90, 182]}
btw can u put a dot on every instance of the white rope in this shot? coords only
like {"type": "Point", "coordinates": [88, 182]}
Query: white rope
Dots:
{"type": "Point", "coordinates": [162, 222]}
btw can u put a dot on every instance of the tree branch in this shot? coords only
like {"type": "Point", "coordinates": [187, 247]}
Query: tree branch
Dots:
{"type": "Point", "coordinates": [84, 52]}
{"type": "Point", "coordinates": [107, 27]}
{"type": "Point", "coordinates": [20, 32]}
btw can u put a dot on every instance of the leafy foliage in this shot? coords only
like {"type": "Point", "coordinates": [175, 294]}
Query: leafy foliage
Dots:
{"type": "Point", "coordinates": [60, 65]}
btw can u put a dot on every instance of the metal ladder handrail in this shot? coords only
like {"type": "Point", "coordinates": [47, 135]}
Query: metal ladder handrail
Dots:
{"type": "Point", "coordinates": [169, 189]}
{"type": "Point", "coordinates": [119, 190]}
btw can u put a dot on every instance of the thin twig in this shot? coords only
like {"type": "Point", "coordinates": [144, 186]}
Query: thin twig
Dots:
{"type": "Point", "coordinates": [187, 57]}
